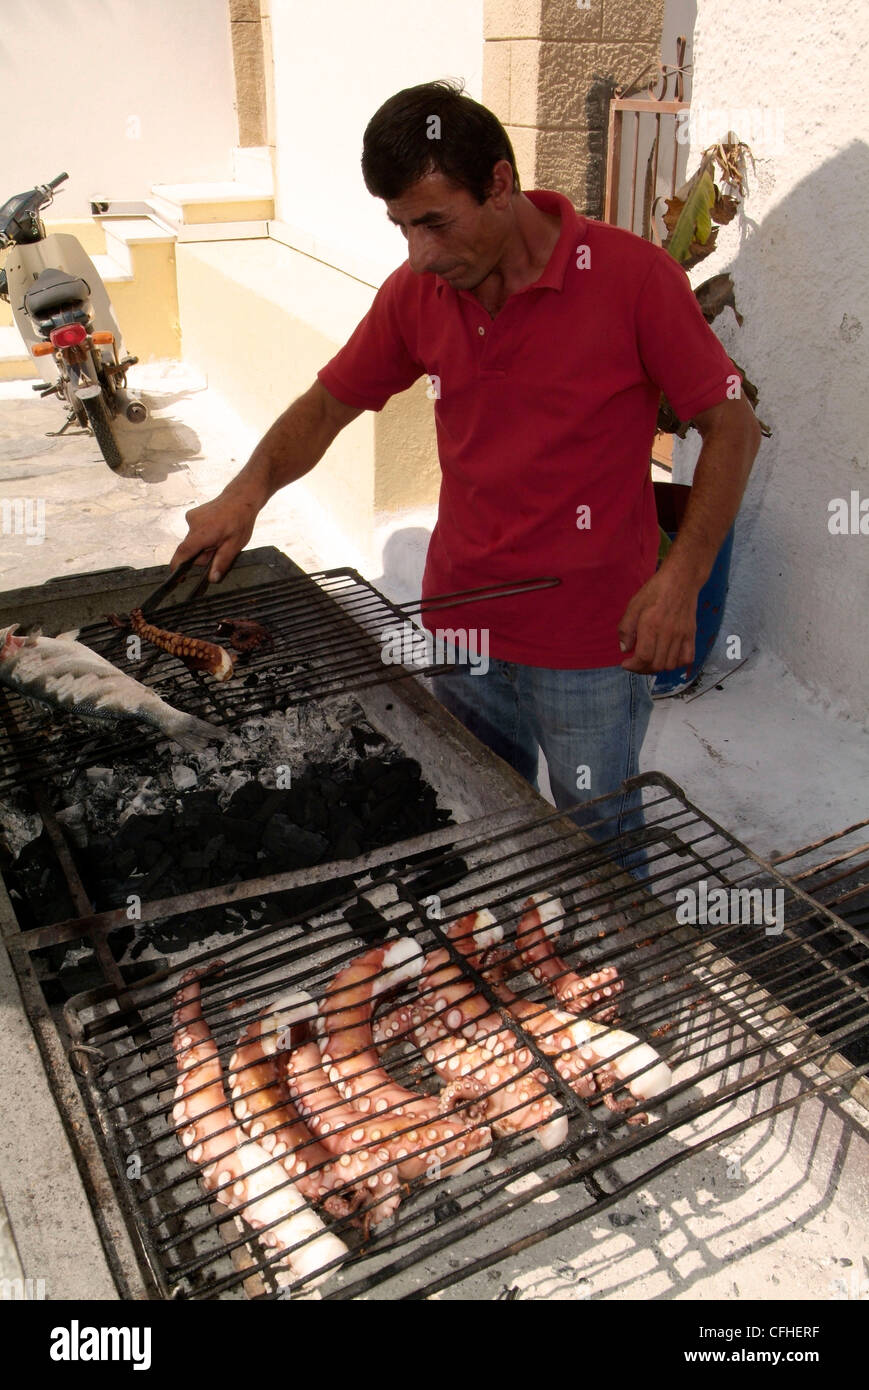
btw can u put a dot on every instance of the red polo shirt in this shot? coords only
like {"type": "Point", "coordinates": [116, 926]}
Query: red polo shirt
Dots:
{"type": "Point", "coordinates": [545, 417]}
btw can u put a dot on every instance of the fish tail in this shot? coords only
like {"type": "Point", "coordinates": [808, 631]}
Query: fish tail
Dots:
{"type": "Point", "coordinates": [193, 734]}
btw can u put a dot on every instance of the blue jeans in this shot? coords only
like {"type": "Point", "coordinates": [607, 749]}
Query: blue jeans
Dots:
{"type": "Point", "coordinates": [589, 724]}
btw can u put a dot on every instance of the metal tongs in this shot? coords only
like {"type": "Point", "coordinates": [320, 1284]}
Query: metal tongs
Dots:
{"type": "Point", "coordinates": [150, 605]}
{"type": "Point", "coordinates": [153, 601]}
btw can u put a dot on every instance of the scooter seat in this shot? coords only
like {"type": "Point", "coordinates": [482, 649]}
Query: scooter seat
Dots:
{"type": "Point", "coordinates": [53, 288]}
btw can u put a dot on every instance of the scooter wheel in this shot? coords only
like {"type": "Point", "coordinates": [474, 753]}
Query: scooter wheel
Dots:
{"type": "Point", "coordinates": [103, 433]}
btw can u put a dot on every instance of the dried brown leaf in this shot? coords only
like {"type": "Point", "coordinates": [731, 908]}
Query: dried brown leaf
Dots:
{"type": "Point", "coordinates": [724, 208]}
{"type": "Point", "coordinates": [715, 295]}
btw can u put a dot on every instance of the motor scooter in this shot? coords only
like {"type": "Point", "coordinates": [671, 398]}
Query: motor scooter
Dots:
{"type": "Point", "coordinates": [65, 317]}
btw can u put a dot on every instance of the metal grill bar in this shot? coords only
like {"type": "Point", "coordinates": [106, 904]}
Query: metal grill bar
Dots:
{"type": "Point", "coordinates": [732, 1009]}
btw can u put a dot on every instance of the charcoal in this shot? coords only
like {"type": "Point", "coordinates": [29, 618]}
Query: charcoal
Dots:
{"type": "Point", "coordinates": [439, 879]}
{"type": "Point", "coordinates": [387, 810]}
{"type": "Point", "coordinates": [397, 774]}
{"type": "Point", "coordinates": [270, 806]}
{"type": "Point", "coordinates": [393, 781]}
{"type": "Point", "coordinates": [247, 799]}
{"type": "Point", "coordinates": [119, 940]}
{"type": "Point", "coordinates": [99, 854]}
{"type": "Point", "coordinates": [366, 921]}
{"type": "Point", "coordinates": [151, 852]}
{"type": "Point", "coordinates": [316, 812]}
{"type": "Point", "coordinates": [243, 834]}
{"type": "Point", "coordinates": [346, 846]}
{"type": "Point", "coordinates": [283, 841]}
{"type": "Point", "coordinates": [341, 819]}
{"type": "Point", "coordinates": [370, 769]}
{"type": "Point", "coordinates": [194, 859]}
{"type": "Point", "coordinates": [124, 862]}
{"type": "Point", "coordinates": [330, 790]}
{"type": "Point", "coordinates": [163, 842]}
{"type": "Point", "coordinates": [198, 805]}
{"type": "Point", "coordinates": [134, 830]}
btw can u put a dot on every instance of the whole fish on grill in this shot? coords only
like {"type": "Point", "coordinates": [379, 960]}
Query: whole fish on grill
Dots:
{"type": "Point", "coordinates": [67, 675]}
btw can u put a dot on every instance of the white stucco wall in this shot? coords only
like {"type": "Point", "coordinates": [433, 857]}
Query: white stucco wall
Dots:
{"type": "Point", "coordinates": [120, 93]}
{"type": "Point", "coordinates": [800, 262]}
{"type": "Point", "coordinates": [334, 65]}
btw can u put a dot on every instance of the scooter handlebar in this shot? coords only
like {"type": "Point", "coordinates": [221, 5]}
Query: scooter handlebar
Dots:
{"type": "Point", "coordinates": [54, 183]}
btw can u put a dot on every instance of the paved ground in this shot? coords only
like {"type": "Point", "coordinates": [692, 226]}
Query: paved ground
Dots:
{"type": "Point", "coordinates": [94, 518]}
{"type": "Point", "coordinates": [760, 754]}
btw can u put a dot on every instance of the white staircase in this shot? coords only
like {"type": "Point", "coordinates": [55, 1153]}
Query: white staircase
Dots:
{"type": "Point", "coordinates": [237, 208]}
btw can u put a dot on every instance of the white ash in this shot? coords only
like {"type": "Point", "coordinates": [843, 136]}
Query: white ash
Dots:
{"type": "Point", "coordinates": [273, 749]}
{"type": "Point", "coordinates": [18, 825]}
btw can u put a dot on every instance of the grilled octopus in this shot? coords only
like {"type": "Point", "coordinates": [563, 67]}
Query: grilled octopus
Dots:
{"type": "Point", "coordinates": [445, 1126]}
{"type": "Point", "coordinates": [196, 653]}
{"type": "Point", "coordinates": [237, 1171]}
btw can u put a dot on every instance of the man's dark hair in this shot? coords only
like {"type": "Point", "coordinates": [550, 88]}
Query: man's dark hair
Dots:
{"type": "Point", "coordinates": [433, 127]}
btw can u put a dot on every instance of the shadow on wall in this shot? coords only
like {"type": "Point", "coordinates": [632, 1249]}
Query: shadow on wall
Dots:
{"type": "Point", "coordinates": [800, 280]}
{"type": "Point", "coordinates": [403, 564]}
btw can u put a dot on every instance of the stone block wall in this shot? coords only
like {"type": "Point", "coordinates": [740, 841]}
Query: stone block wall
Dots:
{"type": "Point", "coordinates": [549, 69]}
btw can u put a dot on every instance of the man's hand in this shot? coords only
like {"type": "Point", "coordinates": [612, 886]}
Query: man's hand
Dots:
{"type": "Point", "coordinates": [219, 529]}
{"type": "Point", "coordinates": [295, 443]}
{"type": "Point", "coordinates": [659, 625]}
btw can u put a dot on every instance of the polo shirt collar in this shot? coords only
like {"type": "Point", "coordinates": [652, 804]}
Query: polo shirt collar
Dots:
{"type": "Point", "coordinates": [572, 228]}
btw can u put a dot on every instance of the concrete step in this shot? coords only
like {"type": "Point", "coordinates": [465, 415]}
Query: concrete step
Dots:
{"type": "Point", "coordinates": [191, 204]}
{"type": "Point", "coordinates": [15, 361]}
{"type": "Point", "coordinates": [111, 272]}
{"type": "Point", "coordinates": [124, 233]}
{"type": "Point", "coordinates": [219, 231]}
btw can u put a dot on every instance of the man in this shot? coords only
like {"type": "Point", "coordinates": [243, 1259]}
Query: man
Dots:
{"type": "Point", "coordinates": [548, 339]}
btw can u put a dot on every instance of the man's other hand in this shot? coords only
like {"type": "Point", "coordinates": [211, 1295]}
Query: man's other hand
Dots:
{"type": "Point", "coordinates": [659, 625]}
{"type": "Point", "coordinates": [218, 530]}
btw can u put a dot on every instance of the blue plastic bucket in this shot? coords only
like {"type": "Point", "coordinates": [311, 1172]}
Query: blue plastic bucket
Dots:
{"type": "Point", "coordinates": [671, 499]}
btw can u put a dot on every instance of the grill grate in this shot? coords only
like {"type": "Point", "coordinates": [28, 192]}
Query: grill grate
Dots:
{"type": "Point", "coordinates": [732, 1006]}
{"type": "Point", "coordinates": [328, 630]}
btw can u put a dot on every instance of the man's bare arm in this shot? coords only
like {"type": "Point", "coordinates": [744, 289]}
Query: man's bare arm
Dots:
{"type": "Point", "coordinates": [659, 623]}
{"type": "Point", "coordinates": [295, 443]}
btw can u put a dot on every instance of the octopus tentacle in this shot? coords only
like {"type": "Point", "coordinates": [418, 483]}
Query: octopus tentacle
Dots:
{"type": "Point", "coordinates": [263, 1108]}
{"type": "Point", "coordinates": [353, 1066]}
{"type": "Point", "coordinates": [594, 994]}
{"type": "Point", "coordinates": [581, 1044]}
{"type": "Point", "coordinates": [446, 999]}
{"type": "Point", "coordinates": [196, 653]}
{"type": "Point", "coordinates": [516, 1095]}
{"type": "Point", "coordinates": [357, 1144]}
{"type": "Point", "coordinates": [590, 1057]}
{"type": "Point", "coordinates": [236, 1170]}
